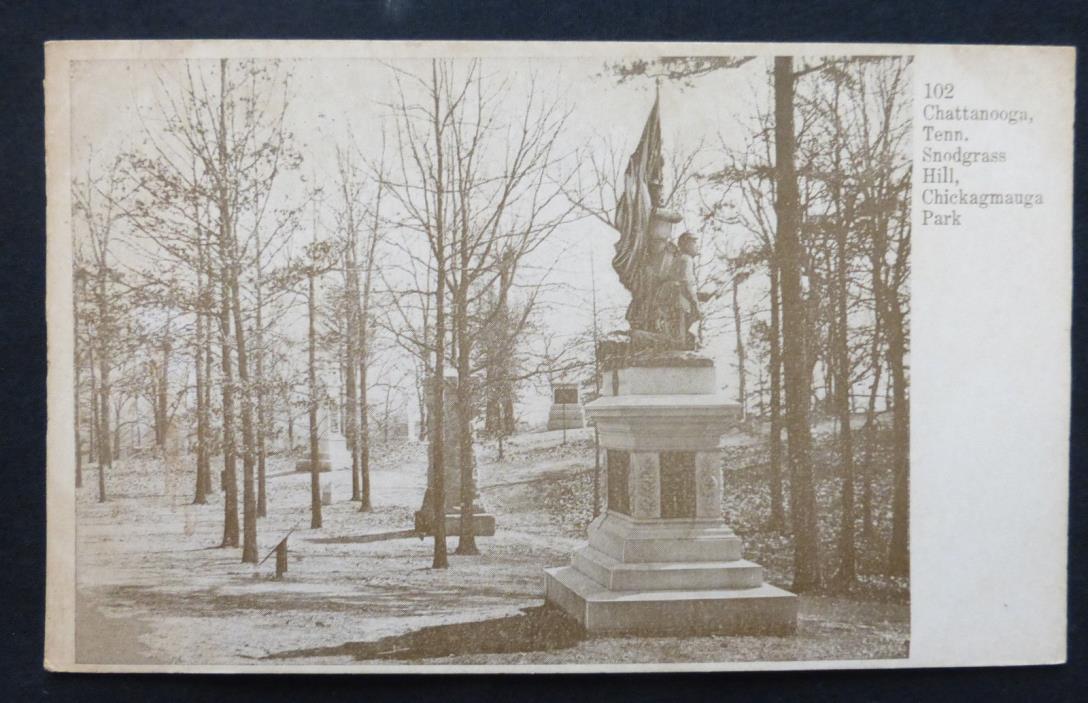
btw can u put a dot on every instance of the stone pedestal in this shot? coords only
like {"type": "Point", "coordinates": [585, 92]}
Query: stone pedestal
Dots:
{"type": "Point", "coordinates": [566, 412]}
{"type": "Point", "coordinates": [332, 447]}
{"type": "Point", "coordinates": [661, 559]}
{"type": "Point", "coordinates": [483, 522]}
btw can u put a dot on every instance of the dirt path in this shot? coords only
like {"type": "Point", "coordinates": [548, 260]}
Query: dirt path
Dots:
{"type": "Point", "coordinates": [154, 581]}
{"type": "Point", "coordinates": [113, 639]}
{"type": "Point", "coordinates": [156, 587]}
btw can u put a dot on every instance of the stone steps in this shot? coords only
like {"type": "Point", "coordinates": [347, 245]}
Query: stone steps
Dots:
{"type": "Point", "coordinates": [654, 576]}
{"type": "Point", "coordinates": [568, 416]}
{"type": "Point", "coordinates": [763, 610]}
{"type": "Point", "coordinates": [683, 542]}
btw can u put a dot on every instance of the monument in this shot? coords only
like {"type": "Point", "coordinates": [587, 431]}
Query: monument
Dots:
{"type": "Point", "coordinates": [483, 523]}
{"type": "Point", "coordinates": [566, 412]}
{"type": "Point", "coordinates": [332, 447]}
{"type": "Point", "coordinates": [661, 559]}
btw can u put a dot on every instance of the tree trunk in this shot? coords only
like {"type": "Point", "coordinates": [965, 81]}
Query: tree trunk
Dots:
{"type": "Point", "coordinates": [117, 431]}
{"type": "Point", "coordinates": [262, 451]}
{"type": "Point", "coordinates": [847, 573]}
{"type": "Point", "coordinates": [386, 416]}
{"type": "Point", "coordinates": [421, 401]}
{"type": "Point", "coordinates": [899, 548]}
{"type": "Point", "coordinates": [351, 350]}
{"type": "Point", "coordinates": [876, 258]}
{"type": "Point", "coordinates": [778, 510]}
{"type": "Point", "coordinates": [806, 574]}
{"type": "Point", "coordinates": [75, 386]}
{"type": "Point", "coordinates": [492, 412]}
{"type": "Point", "coordinates": [363, 323]}
{"type": "Point", "coordinates": [896, 335]}
{"type": "Point", "coordinates": [163, 384]}
{"type": "Point", "coordinates": [230, 480]}
{"type": "Point", "coordinates": [466, 543]}
{"type": "Point", "coordinates": [438, 439]}
{"type": "Point", "coordinates": [249, 496]}
{"type": "Point", "coordinates": [203, 366]}
{"type": "Point", "coordinates": [509, 425]}
{"type": "Point", "coordinates": [290, 429]}
{"type": "Point", "coordinates": [352, 424]}
{"type": "Point", "coordinates": [742, 392]}
{"type": "Point", "coordinates": [93, 427]}
{"type": "Point", "coordinates": [364, 431]}
{"type": "Point", "coordinates": [209, 360]}
{"type": "Point", "coordinates": [105, 456]}
{"type": "Point", "coordinates": [200, 494]}
{"type": "Point", "coordinates": [761, 390]}
{"type": "Point", "coordinates": [311, 375]}
{"type": "Point", "coordinates": [868, 533]}
{"type": "Point", "coordinates": [232, 295]}
{"type": "Point", "coordinates": [262, 420]}
{"type": "Point", "coordinates": [828, 374]}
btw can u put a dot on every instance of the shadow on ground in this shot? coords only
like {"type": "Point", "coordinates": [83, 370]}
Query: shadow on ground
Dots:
{"type": "Point", "coordinates": [535, 629]}
{"type": "Point", "coordinates": [363, 539]}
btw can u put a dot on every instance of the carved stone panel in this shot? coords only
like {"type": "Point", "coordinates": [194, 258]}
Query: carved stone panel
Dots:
{"type": "Point", "coordinates": [645, 485]}
{"type": "Point", "coordinates": [708, 485]}
{"type": "Point", "coordinates": [677, 484]}
{"type": "Point", "coordinates": [619, 499]}
{"type": "Point", "coordinates": [451, 454]}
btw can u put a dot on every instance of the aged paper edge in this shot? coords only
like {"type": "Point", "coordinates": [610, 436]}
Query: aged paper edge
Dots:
{"type": "Point", "coordinates": [60, 551]}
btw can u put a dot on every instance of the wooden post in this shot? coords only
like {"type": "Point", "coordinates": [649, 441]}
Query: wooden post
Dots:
{"type": "Point", "coordinates": [281, 557]}
{"type": "Point", "coordinates": [280, 550]}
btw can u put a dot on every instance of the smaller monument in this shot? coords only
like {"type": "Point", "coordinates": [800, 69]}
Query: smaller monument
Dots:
{"type": "Point", "coordinates": [566, 412]}
{"type": "Point", "coordinates": [483, 523]}
{"type": "Point", "coordinates": [332, 447]}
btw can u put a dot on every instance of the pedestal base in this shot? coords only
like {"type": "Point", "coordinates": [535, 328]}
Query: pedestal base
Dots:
{"type": "Point", "coordinates": [567, 416]}
{"type": "Point", "coordinates": [682, 577]}
{"type": "Point", "coordinates": [661, 560]}
{"type": "Point", "coordinates": [483, 524]}
{"type": "Point", "coordinates": [763, 610]}
{"type": "Point", "coordinates": [331, 452]}
{"type": "Point", "coordinates": [304, 465]}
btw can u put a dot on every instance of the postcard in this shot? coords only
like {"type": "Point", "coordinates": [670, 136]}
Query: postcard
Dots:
{"type": "Point", "coordinates": [556, 356]}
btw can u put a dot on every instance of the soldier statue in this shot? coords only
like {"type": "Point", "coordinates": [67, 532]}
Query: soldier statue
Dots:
{"type": "Point", "coordinates": [659, 273]}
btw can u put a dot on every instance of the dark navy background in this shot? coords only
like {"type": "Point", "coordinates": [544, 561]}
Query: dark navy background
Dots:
{"type": "Point", "coordinates": [24, 26]}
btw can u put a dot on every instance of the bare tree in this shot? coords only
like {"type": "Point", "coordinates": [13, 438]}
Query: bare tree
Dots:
{"type": "Point", "coordinates": [219, 148]}
{"type": "Point", "coordinates": [487, 201]}
{"type": "Point", "coordinates": [422, 191]}
{"type": "Point", "coordinates": [95, 199]}
{"type": "Point", "coordinates": [359, 253]}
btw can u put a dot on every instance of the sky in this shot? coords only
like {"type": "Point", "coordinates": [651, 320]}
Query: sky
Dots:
{"type": "Point", "coordinates": [114, 100]}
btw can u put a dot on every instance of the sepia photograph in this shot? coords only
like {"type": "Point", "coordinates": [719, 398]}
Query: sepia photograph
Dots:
{"type": "Point", "coordinates": [467, 356]}
{"type": "Point", "coordinates": [491, 360]}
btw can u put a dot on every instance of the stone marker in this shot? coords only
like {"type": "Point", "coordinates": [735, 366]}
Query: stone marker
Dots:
{"type": "Point", "coordinates": [332, 451]}
{"type": "Point", "coordinates": [566, 412]}
{"type": "Point", "coordinates": [483, 522]}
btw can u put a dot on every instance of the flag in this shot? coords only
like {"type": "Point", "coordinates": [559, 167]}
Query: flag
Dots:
{"type": "Point", "coordinates": [635, 206]}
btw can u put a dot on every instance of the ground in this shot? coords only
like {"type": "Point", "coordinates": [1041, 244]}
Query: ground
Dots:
{"type": "Point", "coordinates": [154, 586]}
